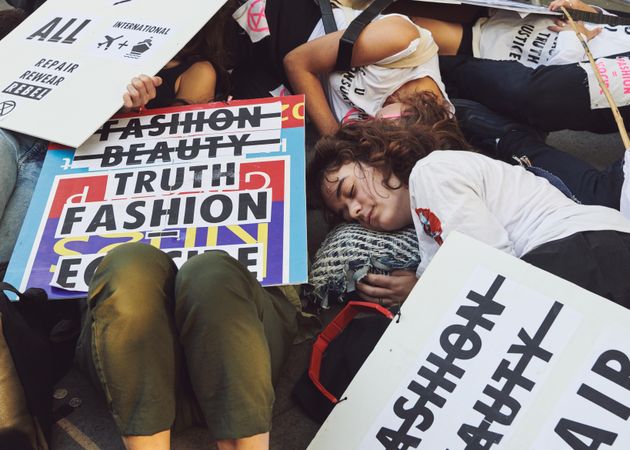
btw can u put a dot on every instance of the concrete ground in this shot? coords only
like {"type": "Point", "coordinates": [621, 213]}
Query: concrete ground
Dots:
{"type": "Point", "coordinates": [87, 424]}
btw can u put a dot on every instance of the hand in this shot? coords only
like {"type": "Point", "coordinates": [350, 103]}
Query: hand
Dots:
{"type": "Point", "coordinates": [140, 91]}
{"type": "Point", "coordinates": [561, 25]}
{"type": "Point", "coordinates": [571, 4]}
{"type": "Point", "coordinates": [387, 290]}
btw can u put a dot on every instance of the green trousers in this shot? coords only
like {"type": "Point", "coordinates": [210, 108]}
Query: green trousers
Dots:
{"type": "Point", "coordinates": [171, 349]}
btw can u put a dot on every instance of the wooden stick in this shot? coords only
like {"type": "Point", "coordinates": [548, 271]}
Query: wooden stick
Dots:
{"type": "Point", "coordinates": [611, 102]}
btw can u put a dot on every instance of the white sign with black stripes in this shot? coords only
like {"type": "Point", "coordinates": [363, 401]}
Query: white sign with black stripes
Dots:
{"type": "Point", "coordinates": [68, 64]}
{"type": "Point", "coordinates": [491, 352]}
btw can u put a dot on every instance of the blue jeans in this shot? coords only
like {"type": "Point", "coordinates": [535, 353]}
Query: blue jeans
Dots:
{"type": "Point", "coordinates": [21, 159]}
{"type": "Point", "coordinates": [589, 185]}
{"type": "Point", "coordinates": [549, 98]}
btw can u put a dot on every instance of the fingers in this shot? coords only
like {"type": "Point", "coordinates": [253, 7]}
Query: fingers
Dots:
{"type": "Point", "coordinates": [557, 4]}
{"type": "Point", "coordinates": [384, 281]}
{"type": "Point", "coordinates": [141, 91]}
{"type": "Point", "coordinates": [127, 101]}
{"type": "Point", "coordinates": [383, 301]}
{"type": "Point", "coordinates": [373, 292]}
{"type": "Point", "coordinates": [387, 290]}
{"type": "Point", "coordinates": [594, 32]}
{"type": "Point", "coordinates": [560, 25]}
{"type": "Point", "coordinates": [556, 29]}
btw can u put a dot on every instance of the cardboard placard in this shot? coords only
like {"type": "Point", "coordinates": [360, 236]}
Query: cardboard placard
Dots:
{"type": "Point", "coordinates": [186, 180]}
{"type": "Point", "coordinates": [491, 352]}
{"type": "Point", "coordinates": [71, 60]}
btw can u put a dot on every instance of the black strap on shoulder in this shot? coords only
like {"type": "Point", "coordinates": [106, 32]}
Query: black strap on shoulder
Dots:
{"type": "Point", "coordinates": [30, 295]}
{"type": "Point", "coordinates": [7, 287]}
{"type": "Point", "coordinates": [346, 43]}
{"type": "Point", "coordinates": [328, 18]}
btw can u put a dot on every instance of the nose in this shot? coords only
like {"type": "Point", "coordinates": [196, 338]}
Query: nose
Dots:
{"type": "Point", "coordinates": [354, 209]}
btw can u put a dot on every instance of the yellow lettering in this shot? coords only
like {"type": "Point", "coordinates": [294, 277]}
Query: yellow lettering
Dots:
{"type": "Point", "coordinates": [61, 249]}
{"type": "Point", "coordinates": [298, 111]}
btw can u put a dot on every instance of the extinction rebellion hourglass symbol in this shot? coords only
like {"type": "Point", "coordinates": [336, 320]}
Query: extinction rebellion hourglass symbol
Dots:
{"type": "Point", "coordinates": [6, 107]}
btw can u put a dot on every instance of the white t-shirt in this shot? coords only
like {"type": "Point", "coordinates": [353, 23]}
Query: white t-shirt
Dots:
{"type": "Point", "coordinates": [504, 206]}
{"type": "Point", "coordinates": [506, 36]}
{"type": "Point", "coordinates": [362, 91]}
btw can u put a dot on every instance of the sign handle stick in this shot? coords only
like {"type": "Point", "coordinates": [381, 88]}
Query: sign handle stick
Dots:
{"type": "Point", "coordinates": [602, 85]}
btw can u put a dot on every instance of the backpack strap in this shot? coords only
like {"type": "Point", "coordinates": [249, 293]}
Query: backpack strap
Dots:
{"type": "Point", "coordinates": [8, 287]}
{"type": "Point", "coordinates": [30, 295]}
{"type": "Point", "coordinates": [346, 43]}
{"type": "Point", "coordinates": [328, 18]}
{"type": "Point", "coordinates": [334, 329]}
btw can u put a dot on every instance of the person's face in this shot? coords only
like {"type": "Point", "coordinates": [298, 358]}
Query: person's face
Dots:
{"type": "Point", "coordinates": [356, 193]}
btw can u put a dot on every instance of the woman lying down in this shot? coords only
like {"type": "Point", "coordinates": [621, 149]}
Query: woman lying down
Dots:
{"type": "Point", "coordinates": [387, 174]}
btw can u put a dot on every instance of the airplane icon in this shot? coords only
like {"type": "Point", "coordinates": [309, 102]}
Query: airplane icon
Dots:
{"type": "Point", "coordinates": [108, 42]}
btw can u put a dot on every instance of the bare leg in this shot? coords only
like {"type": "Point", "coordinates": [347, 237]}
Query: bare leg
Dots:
{"type": "Point", "coordinates": [158, 441]}
{"type": "Point", "coordinates": [256, 442]}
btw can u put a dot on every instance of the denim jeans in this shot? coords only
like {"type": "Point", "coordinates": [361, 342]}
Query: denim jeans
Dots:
{"type": "Point", "coordinates": [21, 159]}
{"type": "Point", "coordinates": [589, 185]}
{"type": "Point", "coordinates": [549, 98]}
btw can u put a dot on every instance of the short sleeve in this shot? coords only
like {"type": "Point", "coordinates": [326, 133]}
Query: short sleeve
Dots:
{"type": "Point", "coordinates": [447, 195]}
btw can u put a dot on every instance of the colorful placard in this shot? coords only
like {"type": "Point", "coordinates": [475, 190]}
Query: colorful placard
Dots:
{"type": "Point", "coordinates": [187, 180]}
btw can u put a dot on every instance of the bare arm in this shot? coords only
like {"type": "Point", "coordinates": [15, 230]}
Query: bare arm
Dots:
{"type": "Point", "coordinates": [378, 40]}
{"type": "Point", "coordinates": [197, 84]}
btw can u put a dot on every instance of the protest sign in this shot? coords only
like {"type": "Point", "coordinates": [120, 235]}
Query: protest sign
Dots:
{"type": "Point", "coordinates": [186, 180]}
{"type": "Point", "coordinates": [77, 57]}
{"type": "Point", "coordinates": [525, 7]}
{"type": "Point", "coordinates": [491, 352]}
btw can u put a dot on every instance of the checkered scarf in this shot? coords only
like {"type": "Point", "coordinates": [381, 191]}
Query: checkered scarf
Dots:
{"type": "Point", "coordinates": [350, 252]}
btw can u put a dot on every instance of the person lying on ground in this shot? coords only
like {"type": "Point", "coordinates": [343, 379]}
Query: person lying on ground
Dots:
{"type": "Point", "coordinates": [391, 57]}
{"type": "Point", "coordinates": [386, 176]}
{"type": "Point", "coordinates": [202, 345]}
{"type": "Point", "coordinates": [533, 40]}
{"type": "Point", "coordinates": [501, 138]}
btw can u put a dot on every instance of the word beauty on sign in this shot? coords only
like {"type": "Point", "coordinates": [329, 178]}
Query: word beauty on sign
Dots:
{"type": "Point", "coordinates": [503, 355]}
{"type": "Point", "coordinates": [187, 180]}
{"type": "Point", "coordinates": [55, 87]}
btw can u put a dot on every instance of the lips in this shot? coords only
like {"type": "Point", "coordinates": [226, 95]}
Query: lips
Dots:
{"type": "Point", "coordinates": [368, 219]}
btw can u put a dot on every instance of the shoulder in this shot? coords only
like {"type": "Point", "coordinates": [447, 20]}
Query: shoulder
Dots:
{"type": "Point", "coordinates": [401, 26]}
{"type": "Point", "coordinates": [455, 169]}
{"type": "Point", "coordinates": [451, 159]}
{"type": "Point", "coordinates": [199, 76]}
{"type": "Point", "coordinates": [201, 69]}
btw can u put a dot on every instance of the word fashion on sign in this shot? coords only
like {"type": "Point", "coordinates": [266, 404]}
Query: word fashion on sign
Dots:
{"type": "Point", "coordinates": [500, 356]}
{"type": "Point", "coordinates": [187, 180]}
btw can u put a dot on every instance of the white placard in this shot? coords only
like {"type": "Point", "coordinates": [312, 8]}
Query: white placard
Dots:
{"type": "Point", "coordinates": [490, 352]}
{"type": "Point", "coordinates": [71, 60]}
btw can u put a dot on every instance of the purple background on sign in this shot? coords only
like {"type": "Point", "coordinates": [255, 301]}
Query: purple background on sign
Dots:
{"type": "Point", "coordinates": [46, 257]}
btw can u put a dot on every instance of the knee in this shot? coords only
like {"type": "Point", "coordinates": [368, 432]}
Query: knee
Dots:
{"type": "Point", "coordinates": [134, 263]}
{"type": "Point", "coordinates": [134, 283]}
{"type": "Point", "coordinates": [211, 283]}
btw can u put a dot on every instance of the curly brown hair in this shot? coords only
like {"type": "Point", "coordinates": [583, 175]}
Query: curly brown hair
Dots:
{"type": "Point", "coordinates": [391, 146]}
